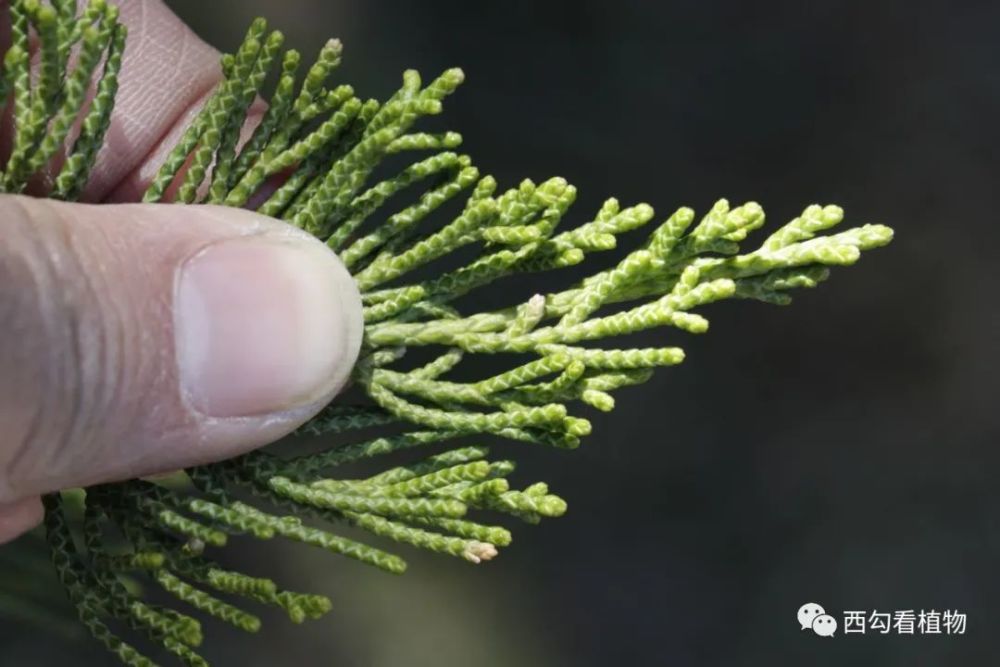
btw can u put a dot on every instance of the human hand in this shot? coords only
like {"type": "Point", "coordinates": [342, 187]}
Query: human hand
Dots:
{"type": "Point", "coordinates": [141, 338]}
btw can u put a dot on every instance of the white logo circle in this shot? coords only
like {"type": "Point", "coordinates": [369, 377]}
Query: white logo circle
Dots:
{"type": "Point", "coordinates": [808, 613]}
{"type": "Point", "coordinates": [824, 625]}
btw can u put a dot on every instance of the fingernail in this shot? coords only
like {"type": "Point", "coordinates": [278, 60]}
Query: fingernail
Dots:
{"type": "Point", "coordinates": [264, 325]}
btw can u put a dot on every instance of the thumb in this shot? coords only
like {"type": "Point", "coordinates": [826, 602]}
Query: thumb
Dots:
{"type": "Point", "coordinates": [139, 338]}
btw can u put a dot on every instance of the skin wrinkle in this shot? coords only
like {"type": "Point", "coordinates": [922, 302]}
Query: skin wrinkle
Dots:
{"type": "Point", "coordinates": [166, 71]}
{"type": "Point", "coordinates": [44, 336]}
{"type": "Point", "coordinates": [61, 313]}
{"type": "Point", "coordinates": [155, 37]}
{"type": "Point", "coordinates": [85, 340]}
{"type": "Point", "coordinates": [115, 336]}
{"type": "Point", "coordinates": [81, 313]}
{"type": "Point", "coordinates": [73, 369]}
{"type": "Point", "coordinates": [127, 347]}
{"type": "Point", "coordinates": [103, 320]}
{"type": "Point", "coordinates": [95, 300]}
{"type": "Point", "coordinates": [129, 389]}
{"type": "Point", "coordinates": [153, 381]}
{"type": "Point", "coordinates": [27, 280]}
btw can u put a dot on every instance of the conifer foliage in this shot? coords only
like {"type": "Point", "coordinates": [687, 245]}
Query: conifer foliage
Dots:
{"type": "Point", "coordinates": [314, 161]}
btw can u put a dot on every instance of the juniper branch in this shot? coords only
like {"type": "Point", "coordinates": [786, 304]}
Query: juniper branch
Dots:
{"type": "Point", "coordinates": [331, 142]}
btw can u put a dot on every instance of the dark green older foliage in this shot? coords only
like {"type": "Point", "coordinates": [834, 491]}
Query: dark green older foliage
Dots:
{"type": "Point", "coordinates": [311, 162]}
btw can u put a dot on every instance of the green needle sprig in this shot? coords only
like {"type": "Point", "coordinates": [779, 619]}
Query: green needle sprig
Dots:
{"type": "Point", "coordinates": [313, 161]}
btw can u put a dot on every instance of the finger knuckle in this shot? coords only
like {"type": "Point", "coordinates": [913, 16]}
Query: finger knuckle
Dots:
{"type": "Point", "coordinates": [61, 347]}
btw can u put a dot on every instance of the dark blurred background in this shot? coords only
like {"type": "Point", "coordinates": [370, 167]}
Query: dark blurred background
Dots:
{"type": "Point", "coordinates": [840, 451]}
